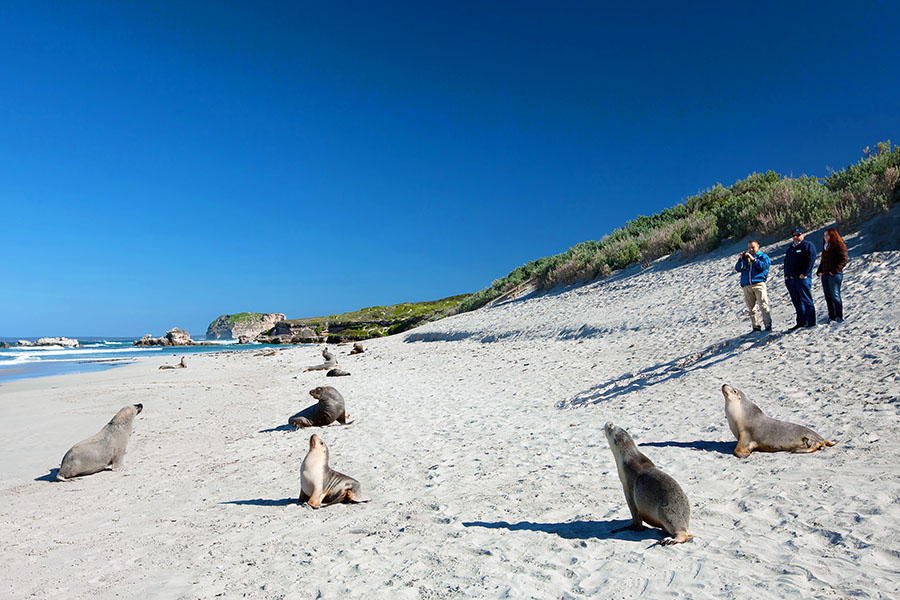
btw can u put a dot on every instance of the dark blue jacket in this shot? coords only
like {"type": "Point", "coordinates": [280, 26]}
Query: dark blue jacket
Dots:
{"type": "Point", "coordinates": [799, 259]}
{"type": "Point", "coordinates": [753, 271]}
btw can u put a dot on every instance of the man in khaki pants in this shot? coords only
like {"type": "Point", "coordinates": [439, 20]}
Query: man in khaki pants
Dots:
{"type": "Point", "coordinates": [753, 266]}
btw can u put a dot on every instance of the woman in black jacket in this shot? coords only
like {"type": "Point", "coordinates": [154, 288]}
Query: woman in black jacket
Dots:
{"type": "Point", "coordinates": [834, 259]}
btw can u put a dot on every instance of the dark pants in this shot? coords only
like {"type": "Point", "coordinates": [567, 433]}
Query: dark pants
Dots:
{"type": "Point", "coordinates": [831, 285]}
{"type": "Point", "coordinates": [801, 295]}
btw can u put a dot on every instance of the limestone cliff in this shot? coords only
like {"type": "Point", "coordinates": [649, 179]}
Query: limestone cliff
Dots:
{"type": "Point", "coordinates": [232, 327]}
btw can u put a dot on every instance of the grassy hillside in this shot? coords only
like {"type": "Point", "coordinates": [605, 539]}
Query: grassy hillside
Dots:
{"type": "Point", "coordinates": [763, 204]}
{"type": "Point", "coordinates": [377, 321]}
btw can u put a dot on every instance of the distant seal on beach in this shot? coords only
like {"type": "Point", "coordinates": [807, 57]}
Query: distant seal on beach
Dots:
{"type": "Point", "coordinates": [180, 365]}
{"type": "Point", "coordinates": [357, 348]}
{"type": "Point", "coordinates": [652, 495]}
{"type": "Point", "coordinates": [329, 409]}
{"type": "Point", "coordinates": [337, 373]}
{"type": "Point", "coordinates": [320, 484]}
{"type": "Point", "coordinates": [330, 362]}
{"type": "Point", "coordinates": [755, 430]}
{"type": "Point", "coordinates": [106, 449]}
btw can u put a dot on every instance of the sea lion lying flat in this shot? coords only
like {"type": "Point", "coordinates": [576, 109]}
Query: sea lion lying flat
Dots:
{"type": "Point", "coordinates": [105, 449]}
{"type": "Point", "coordinates": [337, 373]}
{"type": "Point", "coordinates": [330, 362]}
{"type": "Point", "coordinates": [320, 484]}
{"type": "Point", "coordinates": [652, 495]}
{"type": "Point", "coordinates": [357, 348]}
{"type": "Point", "coordinates": [755, 430]}
{"type": "Point", "coordinates": [180, 365]}
{"type": "Point", "coordinates": [329, 409]}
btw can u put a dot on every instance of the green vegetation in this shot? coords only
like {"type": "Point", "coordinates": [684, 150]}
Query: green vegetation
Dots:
{"type": "Point", "coordinates": [378, 321]}
{"type": "Point", "coordinates": [763, 204]}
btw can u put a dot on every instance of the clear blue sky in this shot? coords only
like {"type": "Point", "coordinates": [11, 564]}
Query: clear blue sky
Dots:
{"type": "Point", "coordinates": [162, 163]}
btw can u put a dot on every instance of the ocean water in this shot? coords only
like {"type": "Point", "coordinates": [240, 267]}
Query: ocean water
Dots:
{"type": "Point", "coordinates": [94, 354]}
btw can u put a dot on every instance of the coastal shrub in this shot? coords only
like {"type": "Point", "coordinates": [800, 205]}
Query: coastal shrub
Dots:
{"type": "Point", "coordinates": [762, 204]}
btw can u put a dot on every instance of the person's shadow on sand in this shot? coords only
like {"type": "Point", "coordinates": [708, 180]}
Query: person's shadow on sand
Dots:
{"type": "Point", "coordinates": [51, 476]}
{"type": "Point", "coordinates": [578, 530]}
{"type": "Point", "coordinates": [263, 502]}
{"type": "Point", "coordinates": [707, 445]}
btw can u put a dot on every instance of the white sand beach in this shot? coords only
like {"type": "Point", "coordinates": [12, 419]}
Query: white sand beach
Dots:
{"type": "Point", "coordinates": [479, 442]}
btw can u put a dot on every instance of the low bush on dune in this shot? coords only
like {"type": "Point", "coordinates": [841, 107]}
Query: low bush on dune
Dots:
{"type": "Point", "coordinates": [763, 204]}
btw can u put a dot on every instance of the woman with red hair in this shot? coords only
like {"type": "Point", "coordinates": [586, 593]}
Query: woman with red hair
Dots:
{"type": "Point", "coordinates": [834, 259]}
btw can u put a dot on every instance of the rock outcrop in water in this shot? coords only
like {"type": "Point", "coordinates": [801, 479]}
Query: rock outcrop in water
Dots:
{"type": "Point", "coordinates": [173, 337]}
{"type": "Point", "coordinates": [232, 327]}
{"type": "Point", "coordinates": [50, 341]}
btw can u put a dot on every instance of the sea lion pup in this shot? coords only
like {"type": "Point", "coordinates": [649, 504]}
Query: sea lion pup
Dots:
{"type": "Point", "coordinates": [652, 496]}
{"type": "Point", "coordinates": [357, 348]}
{"type": "Point", "coordinates": [329, 409]}
{"type": "Point", "coordinates": [320, 484]}
{"type": "Point", "coordinates": [180, 365]}
{"type": "Point", "coordinates": [337, 373]}
{"type": "Point", "coordinates": [755, 430]}
{"type": "Point", "coordinates": [330, 362]}
{"type": "Point", "coordinates": [102, 450]}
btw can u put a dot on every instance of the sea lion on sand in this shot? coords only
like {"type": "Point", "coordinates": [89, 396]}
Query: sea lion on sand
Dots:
{"type": "Point", "coordinates": [755, 430]}
{"type": "Point", "coordinates": [105, 449]}
{"type": "Point", "coordinates": [330, 362]}
{"type": "Point", "coordinates": [652, 495]}
{"type": "Point", "coordinates": [320, 484]}
{"type": "Point", "coordinates": [329, 409]}
{"type": "Point", "coordinates": [337, 373]}
{"type": "Point", "coordinates": [357, 348]}
{"type": "Point", "coordinates": [180, 365]}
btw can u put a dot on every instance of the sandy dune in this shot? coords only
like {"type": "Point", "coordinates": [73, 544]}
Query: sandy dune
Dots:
{"type": "Point", "coordinates": [479, 441]}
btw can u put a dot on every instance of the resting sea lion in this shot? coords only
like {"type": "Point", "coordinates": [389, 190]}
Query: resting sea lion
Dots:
{"type": "Point", "coordinates": [652, 496]}
{"type": "Point", "coordinates": [755, 430]}
{"type": "Point", "coordinates": [337, 373]}
{"type": "Point", "coordinates": [320, 484]}
{"type": "Point", "coordinates": [330, 362]}
{"type": "Point", "coordinates": [329, 409]}
{"type": "Point", "coordinates": [357, 348]}
{"type": "Point", "coordinates": [180, 365]}
{"type": "Point", "coordinates": [105, 449]}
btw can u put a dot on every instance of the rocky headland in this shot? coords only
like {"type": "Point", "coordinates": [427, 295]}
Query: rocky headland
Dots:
{"type": "Point", "coordinates": [250, 324]}
{"type": "Point", "coordinates": [50, 341]}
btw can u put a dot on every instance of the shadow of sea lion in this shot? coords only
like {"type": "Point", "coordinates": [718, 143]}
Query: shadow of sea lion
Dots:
{"type": "Point", "coordinates": [263, 502]}
{"type": "Point", "coordinates": [51, 476]}
{"type": "Point", "coordinates": [279, 428]}
{"type": "Point", "coordinates": [707, 445]}
{"type": "Point", "coordinates": [577, 530]}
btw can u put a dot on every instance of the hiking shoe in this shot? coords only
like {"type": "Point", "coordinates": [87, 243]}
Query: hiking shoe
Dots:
{"type": "Point", "coordinates": [768, 328]}
{"type": "Point", "coordinates": [796, 327]}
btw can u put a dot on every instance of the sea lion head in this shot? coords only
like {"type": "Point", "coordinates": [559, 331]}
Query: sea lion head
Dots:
{"type": "Point", "coordinates": [616, 436]}
{"type": "Point", "coordinates": [731, 394]}
{"type": "Point", "coordinates": [126, 414]}
{"type": "Point", "coordinates": [315, 442]}
{"type": "Point", "coordinates": [317, 392]}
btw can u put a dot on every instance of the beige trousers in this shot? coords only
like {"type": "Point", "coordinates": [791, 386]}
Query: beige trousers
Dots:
{"type": "Point", "coordinates": [755, 294]}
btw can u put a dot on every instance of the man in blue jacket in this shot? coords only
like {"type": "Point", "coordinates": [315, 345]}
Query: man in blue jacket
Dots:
{"type": "Point", "coordinates": [798, 263]}
{"type": "Point", "coordinates": [753, 266]}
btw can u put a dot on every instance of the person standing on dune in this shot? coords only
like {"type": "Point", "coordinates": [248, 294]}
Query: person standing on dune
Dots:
{"type": "Point", "coordinates": [831, 270]}
{"type": "Point", "coordinates": [753, 266]}
{"type": "Point", "coordinates": [799, 258]}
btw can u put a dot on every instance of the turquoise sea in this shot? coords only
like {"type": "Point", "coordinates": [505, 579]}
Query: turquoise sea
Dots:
{"type": "Point", "coordinates": [94, 354]}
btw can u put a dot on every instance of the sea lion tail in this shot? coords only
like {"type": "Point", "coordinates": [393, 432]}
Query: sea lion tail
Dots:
{"type": "Point", "coordinates": [829, 443]}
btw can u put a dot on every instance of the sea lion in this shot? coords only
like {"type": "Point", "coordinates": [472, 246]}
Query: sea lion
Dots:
{"type": "Point", "coordinates": [330, 362]}
{"type": "Point", "coordinates": [180, 365]}
{"type": "Point", "coordinates": [755, 430]}
{"type": "Point", "coordinates": [320, 484]}
{"type": "Point", "coordinates": [106, 449]}
{"type": "Point", "coordinates": [652, 495]}
{"type": "Point", "coordinates": [357, 348]}
{"type": "Point", "coordinates": [337, 373]}
{"type": "Point", "coordinates": [329, 409]}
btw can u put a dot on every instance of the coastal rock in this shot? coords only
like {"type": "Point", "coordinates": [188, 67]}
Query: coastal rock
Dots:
{"type": "Point", "coordinates": [173, 337]}
{"type": "Point", "coordinates": [227, 327]}
{"type": "Point", "coordinates": [50, 341]}
{"type": "Point", "coordinates": [5, 345]}
{"type": "Point", "coordinates": [243, 339]}
{"type": "Point", "coordinates": [285, 332]}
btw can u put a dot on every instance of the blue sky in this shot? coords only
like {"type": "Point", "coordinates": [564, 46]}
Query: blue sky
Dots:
{"type": "Point", "coordinates": [164, 163]}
